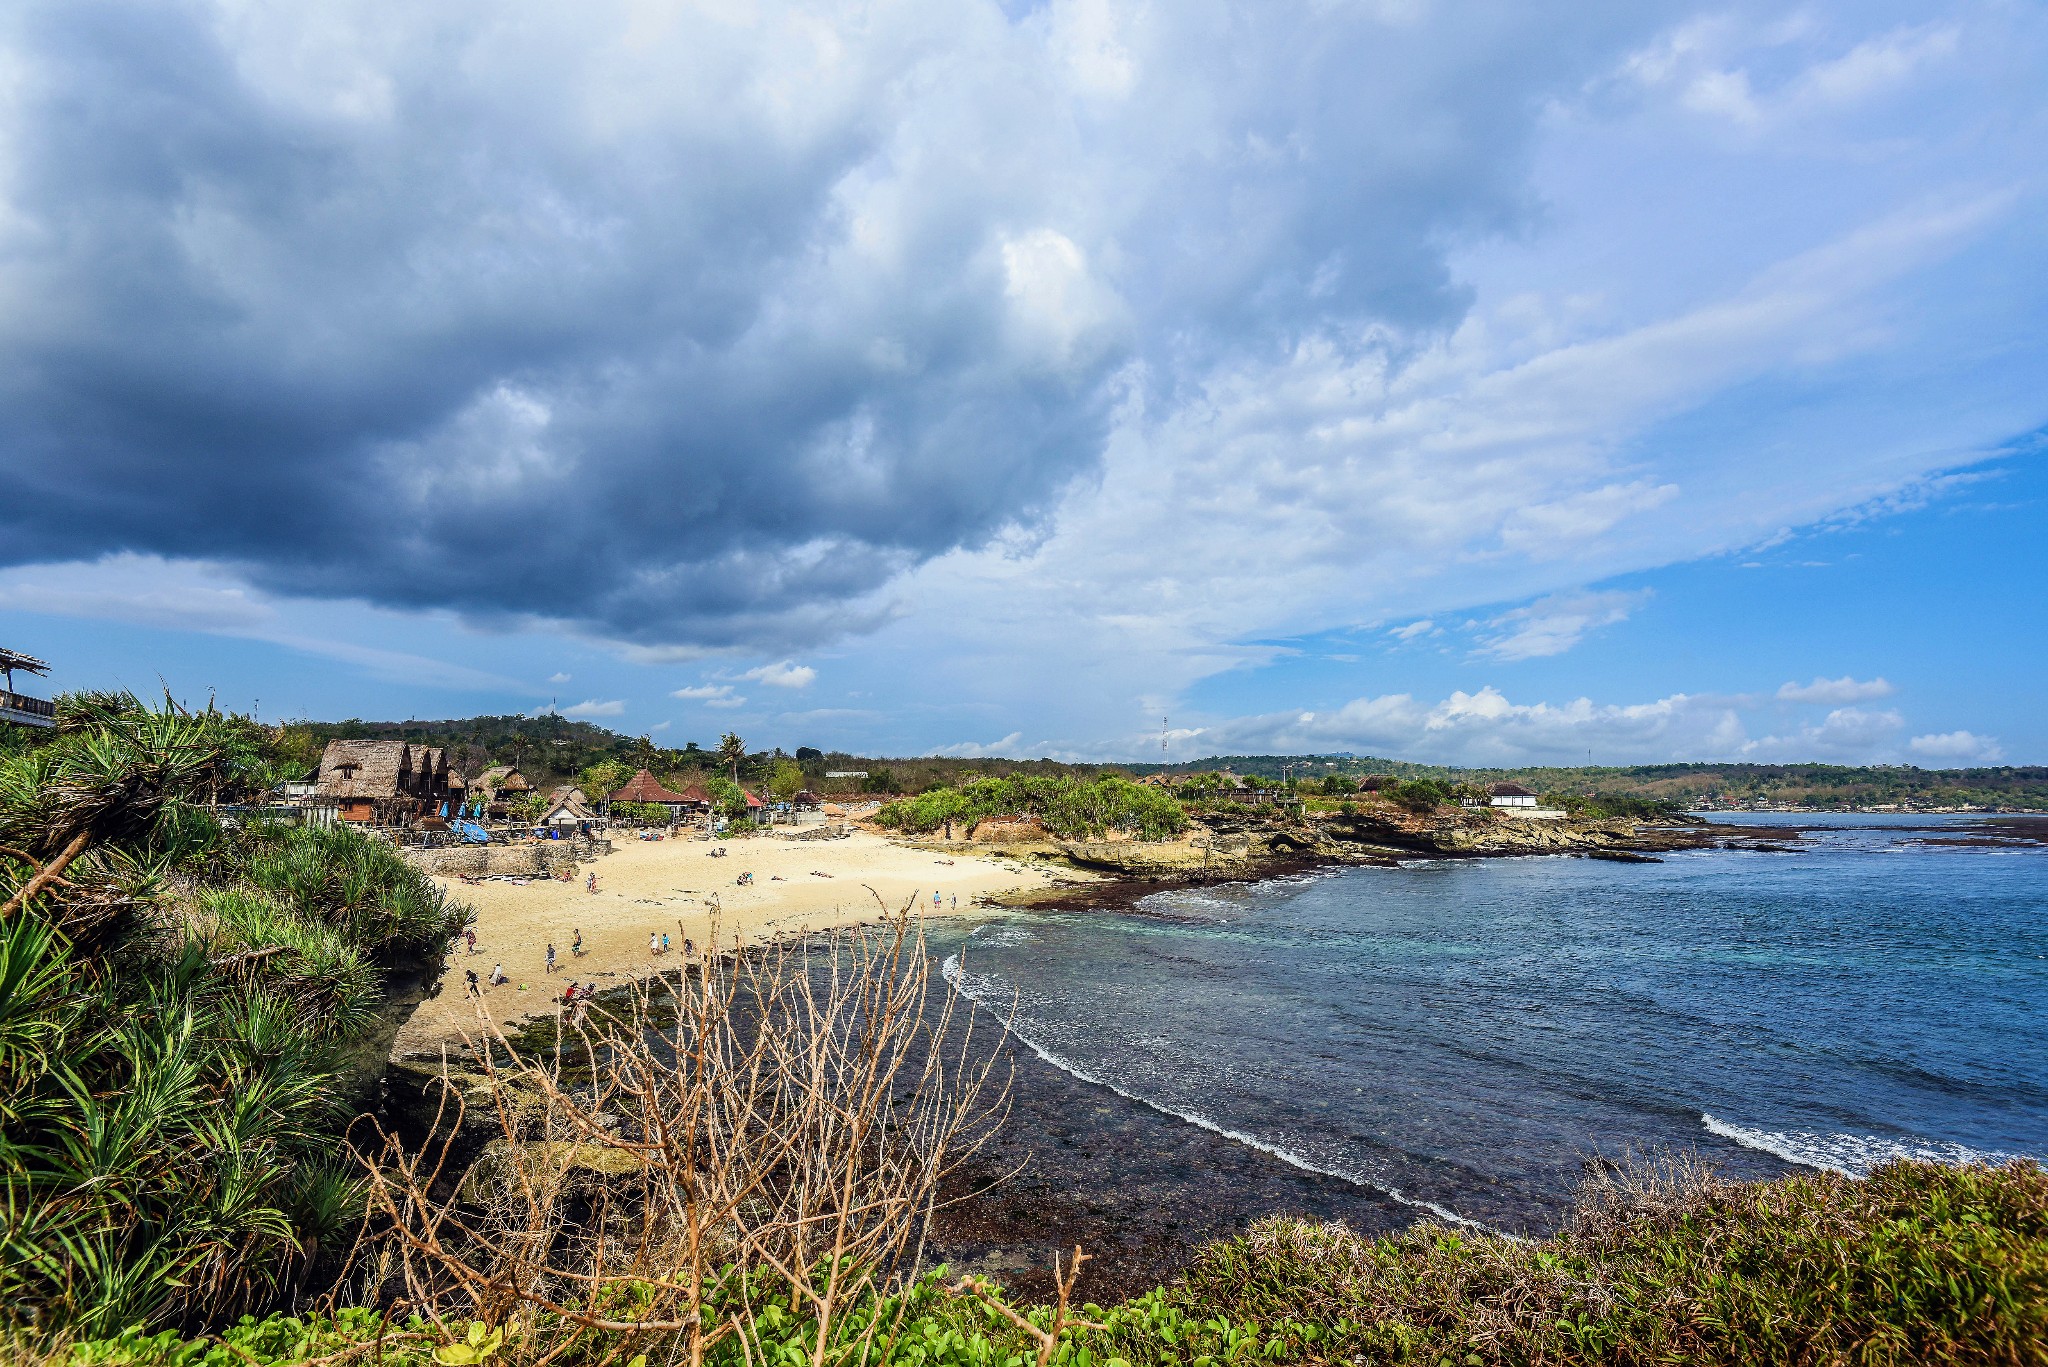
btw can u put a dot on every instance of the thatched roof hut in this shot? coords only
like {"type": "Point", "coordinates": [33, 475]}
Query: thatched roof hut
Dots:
{"type": "Point", "coordinates": [567, 808]}
{"type": "Point", "coordinates": [365, 769]}
{"type": "Point", "coordinates": [502, 778]}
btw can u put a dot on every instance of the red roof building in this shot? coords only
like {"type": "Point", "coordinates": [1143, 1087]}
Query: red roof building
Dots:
{"type": "Point", "coordinates": [644, 787]}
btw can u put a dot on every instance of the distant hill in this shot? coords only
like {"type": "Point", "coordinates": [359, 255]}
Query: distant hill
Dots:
{"type": "Point", "coordinates": [1834, 786]}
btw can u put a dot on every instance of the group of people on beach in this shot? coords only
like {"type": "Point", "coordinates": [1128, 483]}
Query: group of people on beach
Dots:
{"type": "Point", "coordinates": [657, 945]}
{"type": "Point", "coordinates": [497, 979]}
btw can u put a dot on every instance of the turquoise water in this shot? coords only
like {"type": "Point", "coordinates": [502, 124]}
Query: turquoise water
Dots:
{"type": "Point", "coordinates": [1466, 1035]}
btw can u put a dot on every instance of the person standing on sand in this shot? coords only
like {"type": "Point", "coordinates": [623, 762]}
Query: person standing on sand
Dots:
{"type": "Point", "coordinates": [664, 942]}
{"type": "Point", "coordinates": [653, 944]}
{"type": "Point", "coordinates": [470, 935]}
{"type": "Point", "coordinates": [689, 948]}
{"type": "Point", "coordinates": [590, 884]}
{"type": "Point", "coordinates": [551, 958]}
{"type": "Point", "coordinates": [474, 990]}
{"type": "Point", "coordinates": [576, 945]}
{"type": "Point", "coordinates": [956, 902]}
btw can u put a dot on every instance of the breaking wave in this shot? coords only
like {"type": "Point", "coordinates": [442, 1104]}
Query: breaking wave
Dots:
{"type": "Point", "coordinates": [1852, 1155]}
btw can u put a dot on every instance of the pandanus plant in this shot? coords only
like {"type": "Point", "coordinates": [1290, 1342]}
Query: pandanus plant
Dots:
{"type": "Point", "coordinates": [121, 793]}
{"type": "Point", "coordinates": [173, 1000]}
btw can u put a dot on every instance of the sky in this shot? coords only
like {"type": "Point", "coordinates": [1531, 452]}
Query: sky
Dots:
{"type": "Point", "coordinates": [1098, 379]}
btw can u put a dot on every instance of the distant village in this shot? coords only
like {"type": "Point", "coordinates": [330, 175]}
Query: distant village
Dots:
{"type": "Point", "coordinates": [401, 785]}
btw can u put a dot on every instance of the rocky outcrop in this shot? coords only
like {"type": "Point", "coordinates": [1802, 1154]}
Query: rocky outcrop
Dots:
{"type": "Point", "coordinates": [1255, 844]}
{"type": "Point", "coordinates": [531, 859]}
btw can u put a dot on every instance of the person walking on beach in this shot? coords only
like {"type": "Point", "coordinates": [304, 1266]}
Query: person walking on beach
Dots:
{"type": "Point", "coordinates": [664, 942]}
{"type": "Point", "coordinates": [551, 958]}
{"type": "Point", "coordinates": [653, 944]}
{"type": "Point", "coordinates": [935, 901]}
{"type": "Point", "coordinates": [956, 902]}
{"type": "Point", "coordinates": [590, 884]}
{"type": "Point", "coordinates": [474, 990]}
{"type": "Point", "coordinates": [470, 935]}
{"type": "Point", "coordinates": [576, 945]}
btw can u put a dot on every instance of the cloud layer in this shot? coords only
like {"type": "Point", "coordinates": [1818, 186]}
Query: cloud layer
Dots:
{"type": "Point", "coordinates": [1486, 728]}
{"type": "Point", "coordinates": [692, 325]}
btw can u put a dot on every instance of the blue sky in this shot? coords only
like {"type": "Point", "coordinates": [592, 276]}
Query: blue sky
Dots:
{"type": "Point", "coordinates": [1657, 382]}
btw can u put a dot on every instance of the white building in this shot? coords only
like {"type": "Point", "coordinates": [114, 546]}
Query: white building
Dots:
{"type": "Point", "coordinates": [1511, 795]}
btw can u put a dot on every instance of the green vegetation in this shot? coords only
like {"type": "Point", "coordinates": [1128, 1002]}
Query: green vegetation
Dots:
{"type": "Point", "coordinates": [176, 1003]}
{"type": "Point", "coordinates": [601, 780]}
{"type": "Point", "coordinates": [1918, 1264]}
{"type": "Point", "coordinates": [1615, 805]}
{"type": "Point", "coordinates": [642, 813]}
{"type": "Point", "coordinates": [1070, 808]}
{"type": "Point", "coordinates": [1417, 794]}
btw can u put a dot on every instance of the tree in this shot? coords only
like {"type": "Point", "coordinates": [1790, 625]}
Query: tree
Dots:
{"type": "Point", "coordinates": [727, 797]}
{"type": "Point", "coordinates": [603, 779]}
{"type": "Point", "coordinates": [786, 782]}
{"type": "Point", "coordinates": [732, 752]}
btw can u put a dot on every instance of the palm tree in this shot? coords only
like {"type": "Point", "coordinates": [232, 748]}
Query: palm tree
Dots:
{"type": "Point", "coordinates": [732, 750]}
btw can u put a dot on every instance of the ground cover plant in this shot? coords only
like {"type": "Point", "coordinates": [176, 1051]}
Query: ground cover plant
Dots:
{"type": "Point", "coordinates": [1663, 1264]}
{"type": "Point", "coordinates": [175, 999]}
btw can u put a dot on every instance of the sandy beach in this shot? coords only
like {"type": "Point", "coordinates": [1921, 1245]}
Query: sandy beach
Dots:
{"type": "Point", "coordinates": [677, 887]}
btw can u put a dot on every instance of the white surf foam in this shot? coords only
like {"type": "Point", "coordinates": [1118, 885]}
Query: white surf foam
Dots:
{"type": "Point", "coordinates": [1852, 1155]}
{"type": "Point", "coordinates": [953, 974]}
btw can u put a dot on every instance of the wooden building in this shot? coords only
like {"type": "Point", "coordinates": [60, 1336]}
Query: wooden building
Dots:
{"type": "Point", "coordinates": [384, 782]}
{"type": "Point", "coordinates": [19, 709]}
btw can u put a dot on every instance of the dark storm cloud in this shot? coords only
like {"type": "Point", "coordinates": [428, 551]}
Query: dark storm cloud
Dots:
{"type": "Point", "coordinates": [690, 328]}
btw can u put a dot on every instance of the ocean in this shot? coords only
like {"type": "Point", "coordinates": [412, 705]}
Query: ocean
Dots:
{"type": "Point", "coordinates": [1462, 1037]}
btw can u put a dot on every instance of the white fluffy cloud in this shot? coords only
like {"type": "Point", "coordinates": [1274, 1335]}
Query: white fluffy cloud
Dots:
{"type": "Point", "coordinates": [1486, 728]}
{"type": "Point", "coordinates": [710, 695]}
{"type": "Point", "coordinates": [1847, 735]}
{"type": "Point", "coordinates": [1959, 747]}
{"type": "Point", "coordinates": [783, 674]}
{"type": "Point", "coordinates": [1009, 746]}
{"type": "Point", "coordinates": [1842, 690]}
{"type": "Point", "coordinates": [596, 707]}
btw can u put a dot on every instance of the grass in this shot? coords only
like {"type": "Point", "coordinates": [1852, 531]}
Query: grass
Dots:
{"type": "Point", "coordinates": [1662, 1264]}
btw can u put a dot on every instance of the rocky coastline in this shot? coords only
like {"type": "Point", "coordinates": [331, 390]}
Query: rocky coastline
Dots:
{"type": "Point", "coordinates": [1247, 847]}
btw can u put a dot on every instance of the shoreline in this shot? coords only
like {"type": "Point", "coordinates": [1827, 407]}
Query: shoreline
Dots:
{"type": "Point", "coordinates": [676, 887]}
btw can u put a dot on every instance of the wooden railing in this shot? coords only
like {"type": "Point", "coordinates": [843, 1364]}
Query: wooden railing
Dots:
{"type": "Point", "coordinates": [21, 702]}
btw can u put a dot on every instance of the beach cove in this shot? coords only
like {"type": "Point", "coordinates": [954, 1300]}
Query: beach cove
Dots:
{"type": "Point", "coordinates": [680, 888]}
